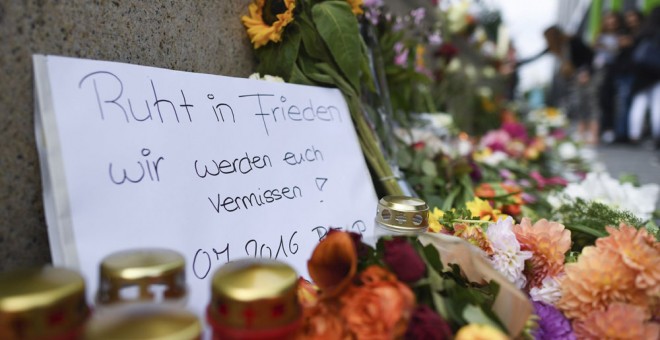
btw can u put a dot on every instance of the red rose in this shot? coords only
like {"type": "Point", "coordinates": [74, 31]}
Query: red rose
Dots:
{"type": "Point", "coordinates": [426, 324]}
{"type": "Point", "coordinates": [404, 261]}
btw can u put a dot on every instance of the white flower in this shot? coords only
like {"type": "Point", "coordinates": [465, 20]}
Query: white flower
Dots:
{"type": "Point", "coordinates": [495, 158]}
{"type": "Point", "coordinates": [600, 187]}
{"type": "Point", "coordinates": [567, 151]}
{"type": "Point", "coordinates": [507, 257]}
{"type": "Point", "coordinates": [267, 77]}
{"type": "Point", "coordinates": [549, 292]}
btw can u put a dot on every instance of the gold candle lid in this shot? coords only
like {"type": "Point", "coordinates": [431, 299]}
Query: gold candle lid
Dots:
{"type": "Point", "coordinates": [254, 294]}
{"type": "Point", "coordinates": [403, 213]}
{"type": "Point", "coordinates": [145, 322]}
{"type": "Point", "coordinates": [41, 303]}
{"type": "Point", "coordinates": [142, 269]}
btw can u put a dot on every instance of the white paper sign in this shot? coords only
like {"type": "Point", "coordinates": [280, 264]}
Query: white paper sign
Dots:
{"type": "Point", "coordinates": [217, 168]}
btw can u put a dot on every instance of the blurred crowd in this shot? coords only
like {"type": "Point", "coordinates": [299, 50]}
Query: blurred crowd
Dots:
{"type": "Point", "coordinates": [610, 85]}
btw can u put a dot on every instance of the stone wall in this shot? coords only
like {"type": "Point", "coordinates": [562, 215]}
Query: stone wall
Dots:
{"type": "Point", "coordinates": [200, 36]}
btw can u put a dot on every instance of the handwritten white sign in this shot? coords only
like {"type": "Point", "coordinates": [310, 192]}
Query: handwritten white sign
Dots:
{"type": "Point", "coordinates": [215, 167]}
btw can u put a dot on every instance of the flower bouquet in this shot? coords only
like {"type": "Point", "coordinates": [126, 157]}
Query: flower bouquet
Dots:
{"type": "Point", "coordinates": [319, 43]}
{"type": "Point", "coordinates": [432, 288]}
{"type": "Point", "coordinates": [592, 292]}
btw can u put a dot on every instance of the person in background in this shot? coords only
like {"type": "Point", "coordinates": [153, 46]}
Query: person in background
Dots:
{"type": "Point", "coordinates": [623, 73]}
{"type": "Point", "coordinates": [646, 86]}
{"type": "Point", "coordinates": [606, 48]}
{"type": "Point", "coordinates": [575, 66]}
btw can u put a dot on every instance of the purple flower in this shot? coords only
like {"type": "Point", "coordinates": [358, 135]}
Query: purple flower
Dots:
{"type": "Point", "coordinates": [435, 39]}
{"type": "Point", "coordinates": [401, 58]}
{"type": "Point", "coordinates": [418, 15]}
{"type": "Point", "coordinates": [372, 14]}
{"type": "Point", "coordinates": [552, 323]}
{"type": "Point", "coordinates": [373, 3]}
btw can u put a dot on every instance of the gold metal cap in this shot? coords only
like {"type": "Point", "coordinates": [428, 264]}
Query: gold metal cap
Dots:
{"type": "Point", "coordinates": [145, 322]}
{"type": "Point", "coordinates": [403, 213]}
{"type": "Point", "coordinates": [254, 294]}
{"type": "Point", "coordinates": [41, 303]}
{"type": "Point", "coordinates": [142, 270]}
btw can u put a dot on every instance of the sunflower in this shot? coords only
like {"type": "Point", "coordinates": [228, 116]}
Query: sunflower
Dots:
{"type": "Point", "coordinates": [267, 24]}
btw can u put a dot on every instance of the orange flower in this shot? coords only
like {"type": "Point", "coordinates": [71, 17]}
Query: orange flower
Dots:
{"type": "Point", "coordinates": [378, 309]}
{"type": "Point", "coordinates": [535, 148]}
{"type": "Point", "coordinates": [485, 190]}
{"type": "Point", "coordinates": [475, 235]}
{"type": "Point", "coordinates": [356, 6]}
{"type": "Point", "coordinates": [333, 263]}
{"type": "Point", "coordinates": [260, 31]}
{"type": "Point", "coordinates": [549, 241]}
{"type": "Point", "coordinates": [619, 321]}
{"type": "Point", "coordinates": [598, 278]}
{"type": "Point", "coordinates": [322, 322]}
{"type": "Point", "coordinates": [639, 251]}
{"type": "Point", "coordinates": [375, 274]}
{"type": "Point", "coordinates": [308, 293]}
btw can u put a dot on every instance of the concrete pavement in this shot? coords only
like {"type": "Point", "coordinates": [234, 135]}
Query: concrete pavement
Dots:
{"type": "Point", "coordinates": [641, 160]}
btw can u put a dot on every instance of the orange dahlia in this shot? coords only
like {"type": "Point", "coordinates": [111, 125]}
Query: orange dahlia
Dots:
{"type": "Point", "coordinates": [619, 321]}
{"type": "Point", "coordinates": [262, 29]}
{"type": "Point", "coordinates": [548, 241]}
{"type": "Point", "coordinates": [597, 279]}
{"type": "Point", "coordinates": [475, 235]}
{"type": "Point", "coordinates": [639, 251]}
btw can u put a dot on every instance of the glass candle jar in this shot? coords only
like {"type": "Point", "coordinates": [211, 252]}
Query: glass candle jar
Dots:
{"type": "Point", "coordinates": [147, 321]}
{"type": "Point", "coordinates": [142, 275]}
{"type": "Point", "coordinates": [254, 299]}
{"type": "Point", "coordinates": [42, 303]}
{"type": "Point", "coordinates": [401, 215]}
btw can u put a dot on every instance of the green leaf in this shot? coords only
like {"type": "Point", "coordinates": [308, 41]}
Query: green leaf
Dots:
{"type": "Point", "coordinates": [337, 78]}
{"type": "Point", "coordinates": [312, 72]}
{"type": "Point", "coordinates": [338, 28]}
{"type": "Point", "coordinates": [428, 168]}
{"type": "Point", "coordinates": [277, 59]}
{"type": "Point", "coordinates": [312, 42]}
{"type": "Point", "coordinates": [405, 157]}
{"type": "Point", "coordinates": [449, 200]}
{"type": "Point", "coordinates": [440, 305]}
{"type": "Point", "coordinates": [474, 314]}
{"type": "Point", "coordinates": [299, 77]}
